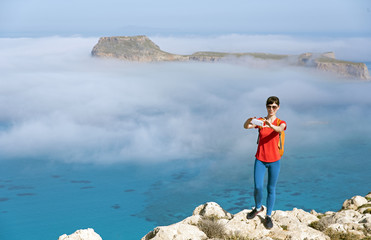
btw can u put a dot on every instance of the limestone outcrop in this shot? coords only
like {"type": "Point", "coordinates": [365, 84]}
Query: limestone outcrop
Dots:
{"type": "Point", "coordinates": [211, 221]}
{"type": "Point", "coordinates": [142, 49]}
{"type": "Point", "coordinates": [328, 63]}
{"type": "Point", "coordinates": [84, 234]}
{"type": "Point", "coordinates": [137, 48]}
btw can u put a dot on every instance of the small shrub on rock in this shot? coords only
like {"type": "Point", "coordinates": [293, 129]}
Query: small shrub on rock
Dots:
{"type": "Point", "coordinates": [317, 225]}
{"type": "Point", "coordinates": [235, 236]}
{"type": "Point", "coordinates": [284, 227]}
{"type": "Point", "coordinates": [334, 235]}
{"type": "Point", "coordinates": [321, 216]}
{"type": "Point", "coordinates": [211, 228]}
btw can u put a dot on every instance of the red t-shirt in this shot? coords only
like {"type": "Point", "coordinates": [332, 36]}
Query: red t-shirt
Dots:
{"type": "Point", "coordinates": [268, 144]}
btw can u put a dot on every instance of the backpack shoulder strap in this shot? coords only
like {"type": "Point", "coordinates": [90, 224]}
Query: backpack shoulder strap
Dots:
{"type": "Point", "coordinates": [278, 121]}
{"type": "Point", "coordinates": [280, 143]}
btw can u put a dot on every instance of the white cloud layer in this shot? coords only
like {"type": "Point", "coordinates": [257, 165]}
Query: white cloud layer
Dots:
{"type": "Point", "coordinates": [59, 103]}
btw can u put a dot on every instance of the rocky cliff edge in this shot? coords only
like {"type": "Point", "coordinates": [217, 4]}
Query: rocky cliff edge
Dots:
{"type": "Point", "coordinates": [211, 221]}
{"type": "Point", "coordinates": [142, 49]}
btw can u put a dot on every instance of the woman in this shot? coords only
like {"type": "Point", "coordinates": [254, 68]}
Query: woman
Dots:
{"type": "Point", "coordinates": [267, 157]}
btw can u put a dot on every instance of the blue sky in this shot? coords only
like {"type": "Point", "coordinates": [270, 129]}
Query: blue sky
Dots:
{"type": "Point", "coordinates": [24, 18]}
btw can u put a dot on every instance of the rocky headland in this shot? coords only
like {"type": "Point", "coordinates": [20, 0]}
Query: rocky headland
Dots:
{"type": "Point", "coordinates": [211, 221]}
{"type": "Point", "coordinates": [142, 49]}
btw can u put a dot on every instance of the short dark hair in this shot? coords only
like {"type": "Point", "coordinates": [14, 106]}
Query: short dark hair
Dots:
{"type": "Point", "coordinates": [273, 99]}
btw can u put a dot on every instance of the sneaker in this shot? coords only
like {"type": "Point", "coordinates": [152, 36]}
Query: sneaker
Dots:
{"type": "Point", "coordinates": [254, 212]}
{"type": "Point", "coordinates": [268, 222]}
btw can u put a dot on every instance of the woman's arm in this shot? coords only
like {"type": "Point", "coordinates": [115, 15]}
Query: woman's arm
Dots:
{"type": "Point", "coordinates": [279, 128]}
{"type": "Point", "coordinates": [248, 124]}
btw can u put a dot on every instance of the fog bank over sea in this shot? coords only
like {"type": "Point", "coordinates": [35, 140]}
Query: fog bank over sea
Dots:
{"type": "Point", "coordinates": [69, 106]}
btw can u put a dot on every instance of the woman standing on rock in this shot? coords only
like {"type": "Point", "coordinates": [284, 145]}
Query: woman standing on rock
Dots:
{"type": "Point", "coordinates": [267, 157]}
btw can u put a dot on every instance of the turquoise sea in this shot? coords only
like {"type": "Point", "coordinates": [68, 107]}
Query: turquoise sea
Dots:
{"type": "Point", "coordinates": [123, 148]}
{"type": "Point", "coordinates": [41, 200]}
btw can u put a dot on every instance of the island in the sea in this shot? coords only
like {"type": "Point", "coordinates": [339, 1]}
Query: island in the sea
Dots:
{"type": "Point", "coordinates": [142, 49]}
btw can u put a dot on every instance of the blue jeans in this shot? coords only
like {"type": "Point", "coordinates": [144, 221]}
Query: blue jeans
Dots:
{"type": "Point", "coordinates": [259, 172]}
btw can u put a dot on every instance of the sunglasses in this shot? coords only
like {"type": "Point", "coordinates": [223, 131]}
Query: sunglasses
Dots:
{"type": "Point", "coordinates": [272, 106]}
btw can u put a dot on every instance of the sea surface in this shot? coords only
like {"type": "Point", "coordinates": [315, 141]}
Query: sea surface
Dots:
{"type": "Point", "coordinates": [40, 200]}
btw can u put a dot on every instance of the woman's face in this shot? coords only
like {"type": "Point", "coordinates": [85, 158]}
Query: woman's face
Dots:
{"type": "Point", "coordinates": [272, 108]}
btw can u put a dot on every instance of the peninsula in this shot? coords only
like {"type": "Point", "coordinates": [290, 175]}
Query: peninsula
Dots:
{"type": "Point", "coordinates": [142, 49]}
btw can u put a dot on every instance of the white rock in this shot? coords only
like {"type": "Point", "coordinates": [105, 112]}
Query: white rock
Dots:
{"type": "Point", "coordinates": [250, 228]}
{"type": "Point", "coordinates": [192, 220]}
{"type": "Point", "coordinates": [329, 212]}
{"type": "Point", "coordinates": [366, 219]}
{"type": "Point", "coordinates": [303, 216]}
{"type": "Point", "coordinates": [364, 209]}
{"type": "Point", "coordinates": [337, 227]}
{"type": "Point", "coordinates": [347, 221]}
{"type": "Point", "coordinates": [314, 212]}
{"type": "Point", "coordinates": [366, 223]}
{"type": "Point", "coordinates": [348, 216]}
{"type": "Point", "coordinates": [211, 209]}
{"type": "Point", "coordinates": [354, 203]}
{"type": "Point", "coordinates": [85, 234]}
{"type": "Point", "coordinates": [292, 225]}
{"type": "Point", "coordinates": [178, 231]}
{"type": "Point", "coordinates": [296, 223]}
{"type": "Point", "coordinates": [286, 225]}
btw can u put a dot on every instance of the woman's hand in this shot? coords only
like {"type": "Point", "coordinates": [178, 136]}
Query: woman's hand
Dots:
{"type": "Point", "coordinates": [267, 123]}
{"type": "Point", "coordinates": [279, 128]}
{"type": "Point", "coordinates": [248, 123]}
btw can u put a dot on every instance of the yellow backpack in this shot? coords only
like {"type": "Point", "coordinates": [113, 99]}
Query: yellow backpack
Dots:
{"type": "Point", "coordinates": [281, 143]}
